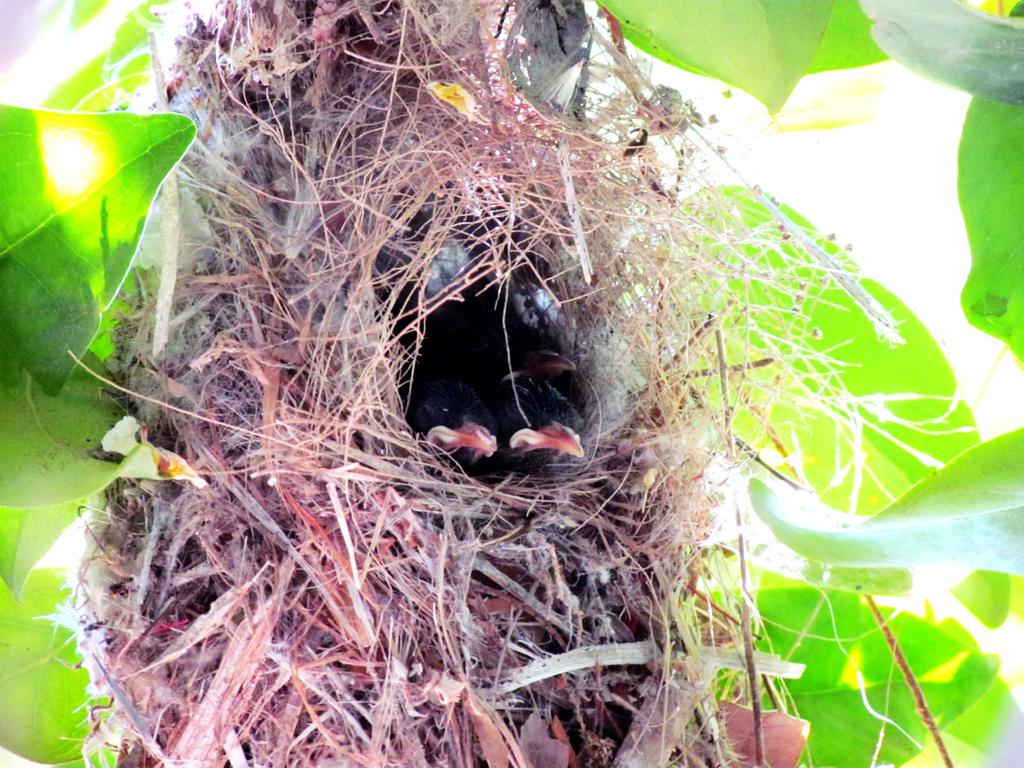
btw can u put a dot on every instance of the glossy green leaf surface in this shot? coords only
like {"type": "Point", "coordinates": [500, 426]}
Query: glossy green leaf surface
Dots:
{"type": "Point", "coordinates": [991, 165]}
{"type": "Point", "coordinates": [26, 535]}
{"type": "Point", "coordinates": [948, 41]}
{"type": "Point", "coordinates": [762, 46]}
{"type": "Point", "coordinates": [75, 191]}
{"type": "Point", "coordinates": [45, 441]}
{"type": "Point", "coordinates": [970, 513]}
{"type": "Point", "coordinates": [857, 419]}
{"type": "Point", "coordinates": [43, 714]}
{"type": "Point", "coordinates": [986, 594]}
{"type": "Point", "coordinates": [851, 681]}
{"type": "Point", "coordinates": [847, 42]}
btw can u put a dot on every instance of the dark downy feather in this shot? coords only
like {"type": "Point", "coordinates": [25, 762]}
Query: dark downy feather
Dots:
{"type": "Point", "coordinates": [485, 326]}
{"type": "Point", "coordinates": [530, 404]}
{"type": "Point", "coordinates": [451, 404]}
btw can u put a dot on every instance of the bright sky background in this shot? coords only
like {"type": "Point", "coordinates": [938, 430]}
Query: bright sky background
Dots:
{"type": "Point", "coordinates": [884, 182]}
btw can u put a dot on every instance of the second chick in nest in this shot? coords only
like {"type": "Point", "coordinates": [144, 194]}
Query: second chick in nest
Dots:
{"type": "Point", "coordinates": [537, 427]}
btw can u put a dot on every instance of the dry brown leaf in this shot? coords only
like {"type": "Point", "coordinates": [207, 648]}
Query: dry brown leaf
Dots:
{"type": "Point", "coordinates": [540, 749]}
{"type": "Point", "coordinates": [784, 736]}
{"type": "Point", "coordinates": [558, 731]}
{"type": "Point", "coordinates": [445, 690]}
{"type": "Point", "coordinates": [487, 732]}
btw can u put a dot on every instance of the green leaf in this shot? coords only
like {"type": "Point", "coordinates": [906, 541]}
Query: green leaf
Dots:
{"type": "Point", "coordinates": [26, 535]}
{"type": "Point", "coordinates": [990, 720]}
{"type": "Point", "coordinates": [970, 513]}
{"type": "Point", "coordinates": [867, 581]}
{"type": "Point", "coordinates": [778, 559]}
{"type": "Point", "coordinates": [988, 477]}
{"type": "Point", "coordinates": [948, 41]}
{"type": "Point", "coordinates": [858, 419]}
{"type": "Point", "coordinates": [836, 636]}
{"type": "Point", "coordinates": [74, 195]}
{"type": "Point", "coordinates": [84, 11]}
{"type": "Point", "coordinates": [991, 165]}
{"type": "Point", "coordinates": [43, 714]}
{"type": "Point", "coordinates": [45, 442]}
{"type": "Point", "coordinates": [109, 80]}
{"type": "Point", "coordinates": [847, 42]}
{"type": "Point", "coordinates": [79, 87]}
{"type": "Point", "coordinates": [1017, 597]}
{"type": "Point", "coordinates": [762, 46]}
{"type": "Point", "coordinates": [986, 594]}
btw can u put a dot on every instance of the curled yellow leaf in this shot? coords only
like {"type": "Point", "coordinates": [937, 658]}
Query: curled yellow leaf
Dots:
{"type": "Point", "coordinates": [456, 95]}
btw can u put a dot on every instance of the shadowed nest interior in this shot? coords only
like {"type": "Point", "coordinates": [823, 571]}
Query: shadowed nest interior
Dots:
{"type": "Point", "coordinates": [342, 594]}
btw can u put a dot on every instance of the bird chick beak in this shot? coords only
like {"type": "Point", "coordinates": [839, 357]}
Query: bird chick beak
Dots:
{"type": "Point", "coordinates": [555, 437]}
{"type": "Point", "coordinates": [543, 365]}
{"type": "Point", "coordinates": [470, 436]}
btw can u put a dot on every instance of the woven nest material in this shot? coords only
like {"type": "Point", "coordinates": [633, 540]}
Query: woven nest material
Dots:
{"type": "Point", "coordinates": [342, 594]}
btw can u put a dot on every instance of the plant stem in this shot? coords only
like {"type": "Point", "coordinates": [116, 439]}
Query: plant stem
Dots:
{"type": "Point", "coordinates": [908, 675]}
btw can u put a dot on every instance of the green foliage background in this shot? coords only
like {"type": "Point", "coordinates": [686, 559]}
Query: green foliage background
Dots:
{"type": "Point", "coordinates": [867, 425]}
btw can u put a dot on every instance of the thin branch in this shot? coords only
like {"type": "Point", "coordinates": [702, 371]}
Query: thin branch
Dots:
{"type": "Point", "coordinates": [741, 548]}
{"type": "Point", "coordinates": [580, 238]}
{"type": "Point", "coordinates": [524, 596]}
{"type": "Point", "coordinates": [752, 452]}
{"type": "Point", "coordinates": [908, 675]}
{"type": "Point", "coordinates": [882, 320]}
{"type": "Point", "coordinates": [880, 317]}
{"type": "Point", "coordinates": [752, 365]}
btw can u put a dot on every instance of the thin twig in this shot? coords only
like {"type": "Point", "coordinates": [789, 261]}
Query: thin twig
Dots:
{"type": "Point", "coordinates": [753, 453]}
{"type": "Point", "coordinates": [741, 548]}
{"type": "Point", "coordinates": [735, 368]}
{"type": "Point", "coordinates": [908, 675]}
{"type": "Point", "coordinates": [709, 322]}
{"type": "Point", "coordinates": [883, 321]}
{"type": "Point", "coordinates": [532, 604]}
{"type": "Point", "coordinates": [582, 252]}
{"type": "Point", "coordinates": [143, 732]}
{"type": "Point", "coordinates": [616, 31]}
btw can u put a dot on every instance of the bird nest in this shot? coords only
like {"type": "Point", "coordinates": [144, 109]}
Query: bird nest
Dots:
{"type": "Point", "coordinates": [343, 593]}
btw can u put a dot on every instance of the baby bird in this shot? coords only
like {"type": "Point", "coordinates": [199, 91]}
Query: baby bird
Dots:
{"type": "Point", "coordinates": [452, 417]}
{"type": "Point", "coordinates": [543, 364]}
{"type": "Point", "coordinates": [537, 423]}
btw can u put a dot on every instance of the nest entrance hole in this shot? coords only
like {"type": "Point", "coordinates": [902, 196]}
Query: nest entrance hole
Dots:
{"type": "Point", "coordinates": [479, 325]}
